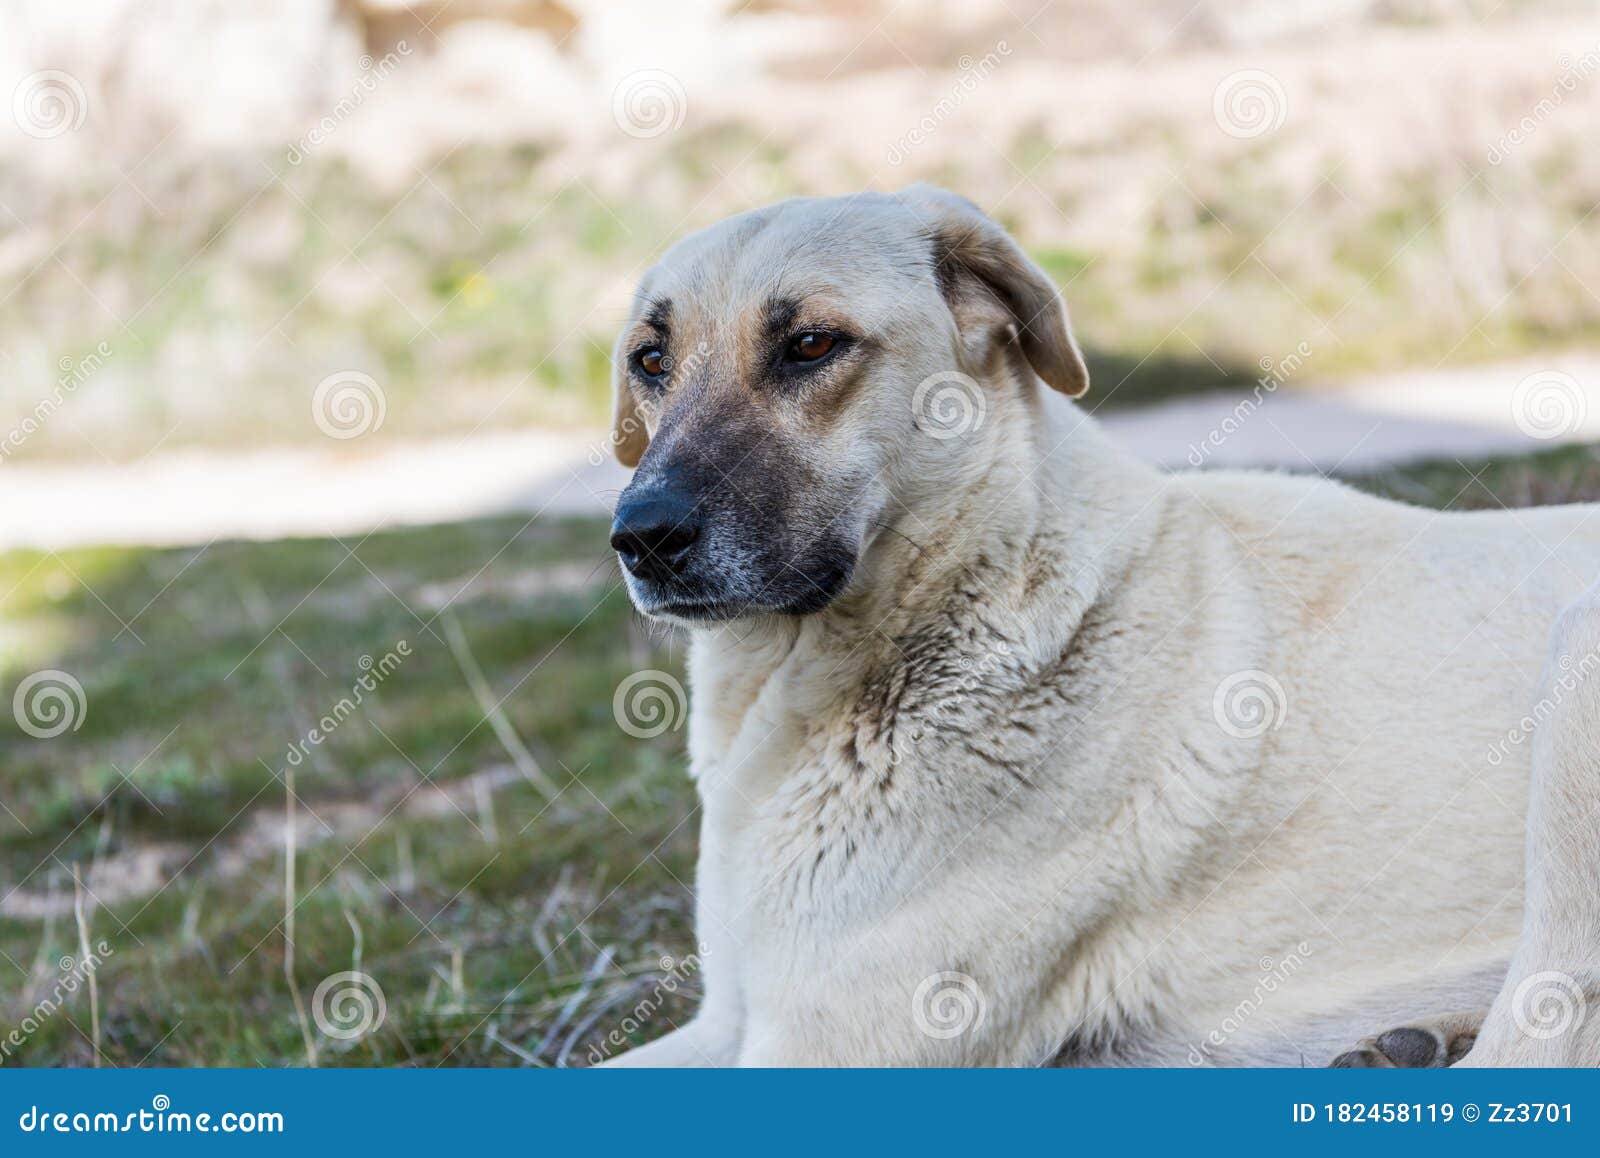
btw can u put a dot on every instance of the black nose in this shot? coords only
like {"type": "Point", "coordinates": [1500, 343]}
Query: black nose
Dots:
{"type": "Point", "coordinates": [653, 533]}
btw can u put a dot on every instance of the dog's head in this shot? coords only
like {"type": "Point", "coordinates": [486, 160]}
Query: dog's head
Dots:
{"type": "Point", "coordinates": [788, 374]}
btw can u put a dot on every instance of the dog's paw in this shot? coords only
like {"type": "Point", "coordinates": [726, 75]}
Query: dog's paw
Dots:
{"type": "Point", "coordinates": [1432, 1044]}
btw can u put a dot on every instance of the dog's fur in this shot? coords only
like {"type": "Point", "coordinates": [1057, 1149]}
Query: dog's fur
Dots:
{"type": "Point", "coordinates": [977, 719]}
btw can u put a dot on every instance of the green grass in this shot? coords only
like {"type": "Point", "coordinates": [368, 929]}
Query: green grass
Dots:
{"type": "Point", "coordinates": [503, 929]}
{"type": "Point", "coordinates": [1567, 474]}
{"type": "Point", "coordinates": [478, 916]}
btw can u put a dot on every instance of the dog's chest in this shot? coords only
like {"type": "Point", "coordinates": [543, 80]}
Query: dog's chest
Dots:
{"type": "Point", "coordinates": [837, 788]}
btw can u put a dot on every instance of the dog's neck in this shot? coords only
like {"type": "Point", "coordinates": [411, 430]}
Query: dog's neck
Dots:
{"type": "Point", "coordinates": [1052, 505]}
{"type": "Point", "coordinates": [1056, 517]}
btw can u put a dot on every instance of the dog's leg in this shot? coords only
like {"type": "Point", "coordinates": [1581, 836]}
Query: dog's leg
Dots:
{"type": "Point", "coordinates": [1548, 1010]}
{"type": "Point", "coordinates": [1429, 1043]}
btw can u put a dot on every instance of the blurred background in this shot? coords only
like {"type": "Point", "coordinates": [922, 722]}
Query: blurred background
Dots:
{"type": "Point", "coordinates": [326, 733]}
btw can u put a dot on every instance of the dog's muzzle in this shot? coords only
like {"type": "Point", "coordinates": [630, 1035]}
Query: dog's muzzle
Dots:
{"type": "Point", "coordinates": [707, 552]}
{"type": "Point", "coordinates": [654, 534]}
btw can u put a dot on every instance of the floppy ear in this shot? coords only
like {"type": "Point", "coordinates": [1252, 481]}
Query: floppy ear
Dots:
{"type": "Point", "coordinates": [991, 285]}
{"type": "Point", "coordinates": [630, 438]}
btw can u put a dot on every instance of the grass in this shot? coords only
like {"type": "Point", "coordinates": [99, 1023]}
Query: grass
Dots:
{"type": "Point", "coordinates": [502, 927]}
{"type": "Point", "coordinates": [478, 909]}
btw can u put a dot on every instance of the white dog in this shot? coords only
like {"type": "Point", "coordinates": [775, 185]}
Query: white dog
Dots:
{"type": "Point", "coordinates": [1012, 749]}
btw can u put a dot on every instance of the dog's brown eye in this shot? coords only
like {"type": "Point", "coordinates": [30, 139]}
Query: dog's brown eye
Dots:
{"type": "Point", "coordinates": [653, 362]}
{"type": "Point", "coordinates": [810, 346]}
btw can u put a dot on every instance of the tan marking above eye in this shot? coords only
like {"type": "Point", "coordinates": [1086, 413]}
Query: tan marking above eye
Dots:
{"type": "Point", "coordinates": [810, 346]}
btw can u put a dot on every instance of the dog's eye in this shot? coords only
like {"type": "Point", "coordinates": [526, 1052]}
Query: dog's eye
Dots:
{"type": "Point", "coordinates": [652, 362]}
{"type": "Point", "coordinates": [809, 347]}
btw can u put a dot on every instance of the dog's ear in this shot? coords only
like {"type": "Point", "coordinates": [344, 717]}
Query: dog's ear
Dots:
{"type": "Point", "coordinates": [630, 437]}
{"type": "Point", "coordinates": [992, 286]}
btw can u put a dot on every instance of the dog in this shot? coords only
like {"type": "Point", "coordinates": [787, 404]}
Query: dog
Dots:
{"type": "Point", "coordinates": [1013, 750]}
